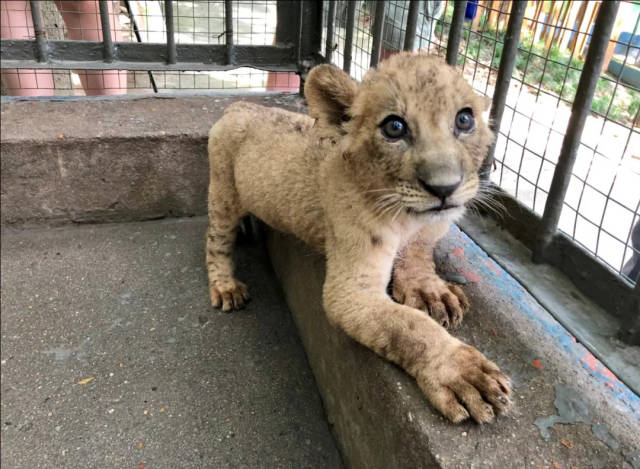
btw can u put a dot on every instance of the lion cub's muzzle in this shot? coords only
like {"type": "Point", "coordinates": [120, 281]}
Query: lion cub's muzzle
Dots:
{"type": "Point", "coordinates": [440, 181]}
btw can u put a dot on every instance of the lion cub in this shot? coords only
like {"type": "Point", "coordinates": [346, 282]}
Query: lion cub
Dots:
{"type": "Point", "coordinates": [373, 180]}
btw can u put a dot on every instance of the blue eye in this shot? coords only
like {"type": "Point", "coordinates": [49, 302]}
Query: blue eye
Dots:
{"type": "Point", "coordinates": [394, 127]}
{"type": "Point", "coordinates": [464, 120]}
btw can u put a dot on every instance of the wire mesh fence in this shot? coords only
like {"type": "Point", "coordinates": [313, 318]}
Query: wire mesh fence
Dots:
{"type": "Point", "coordinates": [195, 22]}
{"type": "Point", "coordinates": [601, 207]}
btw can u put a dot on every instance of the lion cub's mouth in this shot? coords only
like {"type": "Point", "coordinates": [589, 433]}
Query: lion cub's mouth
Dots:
{"type": "Point", "coordinates": [439, 209]}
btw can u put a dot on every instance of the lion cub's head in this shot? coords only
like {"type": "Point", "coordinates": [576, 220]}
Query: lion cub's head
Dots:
{"type": "Point", "coordinates": [412, 130]}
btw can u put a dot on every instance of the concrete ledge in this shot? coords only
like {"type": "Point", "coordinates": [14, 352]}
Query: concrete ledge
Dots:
{"type": "Point", "coordinates": [381, 419]}
{"type": "Point", "coordinates": [103, 160]}
{"type": "Point", "coordinates": [106, 160]}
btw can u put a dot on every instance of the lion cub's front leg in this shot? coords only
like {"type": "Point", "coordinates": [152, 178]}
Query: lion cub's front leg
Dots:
{"type": "Point", "coordinates": [416, 283]}
{"type": "Point", "coordinates": [456, 378]}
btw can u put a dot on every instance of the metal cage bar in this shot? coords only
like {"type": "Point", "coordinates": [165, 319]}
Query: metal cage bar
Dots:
{"type": "Point", "coordinates": [378, 25]}
{"type": "Point", "coordinates": [579, 112]}
{"type": "Point", "coordinates": [505, 70]}
{"type": "Point", "coordinates": [412, 25]}
{"type": "Point", "coordinates": [171, 38]}
{"type": "Point", "coordinates": [228, 30]}
{"type": "Point", "coordinates": [348, 38]}
{"type": "Point", "coordinates": [455, 31]}
{"type": "Point", "coordinates": [107, 43]}
{"type": "Point", "coordinates": [41, 40]}
{"type": "Point", "coordinates": [331, 16]}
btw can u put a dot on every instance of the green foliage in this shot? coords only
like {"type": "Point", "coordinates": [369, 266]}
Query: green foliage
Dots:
{"type": "Point", "coordinates": [553, 70]}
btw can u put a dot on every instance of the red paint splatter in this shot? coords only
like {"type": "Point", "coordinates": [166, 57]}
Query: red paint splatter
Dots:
{"type": "Point", "coordinates": [492, 267]}
{"type": "Point", "coordinates": [459, 252]}
{"type": "Point", "coordinates": [537, 364]}
{"type": "Point", "coordinates": [608, 384]}
{"type": "Point", "coordinates": [606, 372]}
{"type": "Point", "coordinates": [590, 361]}
{"type": "Point", "coordinates": [472, 277]}
{"type": "Point", "coordinates": [141, 465]}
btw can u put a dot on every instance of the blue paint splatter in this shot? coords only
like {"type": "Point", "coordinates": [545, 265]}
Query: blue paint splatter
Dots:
{"type": "Point", "coordinates": [509, 287]}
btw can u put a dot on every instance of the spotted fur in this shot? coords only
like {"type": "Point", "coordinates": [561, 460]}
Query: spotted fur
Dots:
{"type": "Point", "coordinates": [336, 182]}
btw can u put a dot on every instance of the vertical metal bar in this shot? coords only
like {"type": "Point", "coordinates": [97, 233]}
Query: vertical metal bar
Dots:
{"type": "Point", "coordinates": [579, 112]}
{"type": "Point", "coordinates": [171, 39]}
{"type": "Point", "coordinates": [348, 37]}
{"type": "Point", "coordinates": [107, 43]}
{"type": "Point", "coordinates": [630, 331]}
{"type": "Point", "coordinates": [455, 31]}
{"type": "Point", "coordinates": [228, 31]}
{"type": "Point", "coordinates": [287, 23]}
{"type": "Point", "coordinates": [41, 40]}
{"type": "Point", "coordinates": [136, 31]}
{"type": "Point", "coordinates": [299, 45]}
{"type": "Point", "coordinates": [412, 25]}
{"type": "Point", "coordinates": [378, 25]}
{"type": "Point", "coordinates": [331, 16]}
{"type": "Point", "coordinates": [505, 70]}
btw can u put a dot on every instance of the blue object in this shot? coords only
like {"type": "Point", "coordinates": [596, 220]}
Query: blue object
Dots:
{"type": "Point", "coordinates": [471, 10]}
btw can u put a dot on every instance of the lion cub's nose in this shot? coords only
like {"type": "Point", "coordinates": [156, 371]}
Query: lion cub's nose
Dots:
{"type": "Point", "coordinates": [441, 192]}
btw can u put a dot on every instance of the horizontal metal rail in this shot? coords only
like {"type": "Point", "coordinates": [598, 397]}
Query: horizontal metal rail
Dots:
{"type": "Point", "coordinates": [109, 55]}
{"type": "Point", "coordinates": [17, 53]}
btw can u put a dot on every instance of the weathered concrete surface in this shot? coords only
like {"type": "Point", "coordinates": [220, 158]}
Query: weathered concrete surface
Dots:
{"type": "Point", "coordinates": [103, 160]}
{"type": "Point", "coordinates": [175, 384]}
{"type": "Point", "coordinates": [132, 159]}
{"type": "Point", "coordinates": [589, 418]}
{"type": "Point", "coordinates": [593, 326]}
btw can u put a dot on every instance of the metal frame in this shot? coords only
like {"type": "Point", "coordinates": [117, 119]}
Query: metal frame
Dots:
{"type": "Point", "coordinates": [297, 48]}
{"type": "Point", "coordinates": [597, 280]}
{"type": "Point", "coordinates": [292, 52]}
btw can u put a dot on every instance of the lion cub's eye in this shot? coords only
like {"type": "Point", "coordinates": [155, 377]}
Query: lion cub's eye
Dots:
{"type": "Point", "coordinates": [394, 127]}
{"type": "Point", "coordinates": [465, 121]}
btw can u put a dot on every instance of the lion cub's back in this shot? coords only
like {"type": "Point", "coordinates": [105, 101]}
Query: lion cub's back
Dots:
{"type": "Point", "coordinates": [264, 151]}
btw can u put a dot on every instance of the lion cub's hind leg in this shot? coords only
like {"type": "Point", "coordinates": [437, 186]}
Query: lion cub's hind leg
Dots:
{"type": "Point", "coordinates": [224, 214]}
{"type": "Point", "coordinates": [225, 291]}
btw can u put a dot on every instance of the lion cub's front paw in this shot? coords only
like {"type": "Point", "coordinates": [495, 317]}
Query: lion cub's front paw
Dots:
{"type": "Point", "coordinates": [445, 303]}
{"type": "Point", "coordinates": [228, 294]}
{"type": "Point", "coordinates": [461, 382]}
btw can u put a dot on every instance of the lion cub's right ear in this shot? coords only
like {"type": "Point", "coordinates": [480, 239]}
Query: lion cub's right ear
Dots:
{"type": "Point", "coordinates": [330, 93]}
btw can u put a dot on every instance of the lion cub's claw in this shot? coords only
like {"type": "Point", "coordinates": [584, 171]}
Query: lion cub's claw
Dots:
{"type": "Point", "coordinates": [465, 384]}
{"type": "Point", "coordinates": [445, 303]}
{"type": "Point", "coordinates": [228, 295]}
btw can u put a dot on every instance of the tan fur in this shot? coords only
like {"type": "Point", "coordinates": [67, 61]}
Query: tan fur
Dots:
{"type": "Point", "coordinates": [337, 183]}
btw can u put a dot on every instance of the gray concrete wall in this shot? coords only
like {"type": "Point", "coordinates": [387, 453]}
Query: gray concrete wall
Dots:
{"type": "Point", "coordinates": [568, 408]}
{"type": "Point", "coordinates": [106, 160]}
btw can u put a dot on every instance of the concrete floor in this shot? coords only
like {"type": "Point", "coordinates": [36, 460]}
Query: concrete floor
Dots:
{"type": "Point", "coordinates": [112, 357]}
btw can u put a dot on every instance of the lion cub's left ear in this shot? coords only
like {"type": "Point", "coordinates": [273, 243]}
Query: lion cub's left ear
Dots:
{"type": "Point", "coordinates": [330, 93]}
